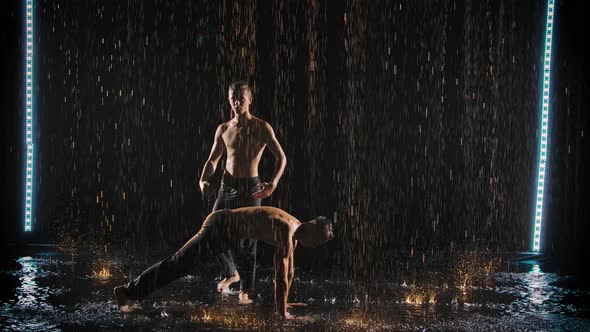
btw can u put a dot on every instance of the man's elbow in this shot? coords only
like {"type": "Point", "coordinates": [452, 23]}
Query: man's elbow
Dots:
{"type": "Point", "coordinates": [212, 163]}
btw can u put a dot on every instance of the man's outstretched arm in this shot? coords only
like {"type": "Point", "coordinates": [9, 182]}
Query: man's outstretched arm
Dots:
{"type": "Point", "coordinates": [291, 268]}
{"type": "Point", "coordinates": [281, 282]}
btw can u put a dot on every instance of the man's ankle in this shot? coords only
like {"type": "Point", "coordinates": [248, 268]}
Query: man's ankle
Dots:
{"type": "Point", "coordinates": [223, 285]}
{"type": "Point", "coordinates": [243, 298]}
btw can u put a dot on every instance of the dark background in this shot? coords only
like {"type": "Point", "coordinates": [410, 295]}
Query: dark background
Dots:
{"type": "Point", "coordinates": [415, 122]}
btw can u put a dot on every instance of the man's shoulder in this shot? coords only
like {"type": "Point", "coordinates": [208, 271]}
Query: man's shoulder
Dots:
{"type": "Point", "coordinates": [223, 126]}
{"type": "Point", "coordinates": [261, 123]}
{"type": "Point", "coordinates": [258, 120]}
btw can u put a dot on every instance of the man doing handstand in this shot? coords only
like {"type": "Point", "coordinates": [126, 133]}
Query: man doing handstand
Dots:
{"type": "Point", "coordinates": [221, 231]}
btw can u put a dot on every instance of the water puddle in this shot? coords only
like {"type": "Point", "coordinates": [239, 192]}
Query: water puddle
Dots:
{"type": "Point", "coordinates": [52, 289]}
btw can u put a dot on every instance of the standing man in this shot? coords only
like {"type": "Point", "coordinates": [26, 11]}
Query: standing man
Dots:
{"type": "Point", "coordinates": [243, 140]}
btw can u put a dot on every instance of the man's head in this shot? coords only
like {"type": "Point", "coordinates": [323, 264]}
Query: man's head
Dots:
{"type": "Point", "coordinates": [240, 97]}
{"type": "Point", "coordinates": [315, 232]}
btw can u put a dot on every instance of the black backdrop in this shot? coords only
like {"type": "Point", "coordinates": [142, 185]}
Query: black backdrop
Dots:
{"type": "Point", "coordinates": [414, 122]}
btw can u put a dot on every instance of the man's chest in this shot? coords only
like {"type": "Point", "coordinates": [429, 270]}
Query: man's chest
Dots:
{"type": "Point", "coordinates": [242, 138]}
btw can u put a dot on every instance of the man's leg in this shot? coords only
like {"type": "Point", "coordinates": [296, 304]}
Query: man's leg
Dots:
{"type": "Point", "coordinates": [235, 193]}
{"type": "Point", "coordinates": [225, 259]}
{"type": "Point", "coordinates": [229, 271]}
{"type": "Point", "coordinates": [197, 250]}
{"type": "Point", "coordinates": [247, 251]}
{"type": "Point", "coordinates": [247, 264]}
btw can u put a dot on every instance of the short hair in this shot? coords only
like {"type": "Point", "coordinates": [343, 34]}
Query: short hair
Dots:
{"type": "Point", "coordinates": [240, 85]}
{"type": "Point", "coordinates": [324, 225]}
{"type": "Point", "coordinates": [321, 220]}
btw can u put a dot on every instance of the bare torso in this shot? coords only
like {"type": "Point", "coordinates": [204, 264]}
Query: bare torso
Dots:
{"type": "Point", "coordinates": [243, 140]}
{"type": "Point", "coordinates": [244, 144]}
{"type": "Point", "coordinates": [269, 224]}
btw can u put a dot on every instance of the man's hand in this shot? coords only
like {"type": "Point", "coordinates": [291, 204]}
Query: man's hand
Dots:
{"type": "Point", "coordinates": [206, 188]}
{"type": "Point", "coordinates": [263, 190]}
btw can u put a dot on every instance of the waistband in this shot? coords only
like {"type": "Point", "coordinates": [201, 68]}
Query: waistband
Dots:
{"type": "Point", "coordinates": [230, 180]}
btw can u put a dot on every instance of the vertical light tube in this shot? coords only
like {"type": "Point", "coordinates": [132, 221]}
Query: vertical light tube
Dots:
{"type": "Point", "coordinates": [29, 115]}
{"type": "Point", "coordinates": [544, 132]}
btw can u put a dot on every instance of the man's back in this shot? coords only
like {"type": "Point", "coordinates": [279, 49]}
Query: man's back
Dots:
{"type": "Point", "coordinates": [269, 224]}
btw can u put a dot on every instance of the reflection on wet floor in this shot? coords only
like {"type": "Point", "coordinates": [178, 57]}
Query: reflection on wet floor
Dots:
{"type": "Point", "coordinates": [49, 288]}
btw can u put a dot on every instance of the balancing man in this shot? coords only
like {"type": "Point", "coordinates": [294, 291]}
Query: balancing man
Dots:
{"type": "Point", "coordinates": [243, 140]}
{"type": "Point", "coordinates": [221, 231]}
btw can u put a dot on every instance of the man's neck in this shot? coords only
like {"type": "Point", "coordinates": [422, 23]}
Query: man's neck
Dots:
{"type": "Point", "coordinates": [242, 118]}
{"type": "Point", "coordinates": [298, 233]}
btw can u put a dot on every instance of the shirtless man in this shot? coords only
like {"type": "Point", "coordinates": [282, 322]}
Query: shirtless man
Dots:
{"type": "Point", "coordinates": [243, 140]}
{"type": "Point", "coordinates": [221, 231]}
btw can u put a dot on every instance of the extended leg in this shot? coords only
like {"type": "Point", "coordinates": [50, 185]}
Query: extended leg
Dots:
{"type": "Point", "coordinates": [194, 252]}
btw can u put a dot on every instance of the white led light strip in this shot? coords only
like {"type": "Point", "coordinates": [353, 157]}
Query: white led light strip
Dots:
{"type": "Point", "coordinates": [29, 116]}
{"type": "Point", "coordinates": [544, 126]}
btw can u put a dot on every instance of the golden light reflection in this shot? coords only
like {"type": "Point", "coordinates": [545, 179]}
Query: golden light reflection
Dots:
{"type": "Point", "coordinates": [464, 295]}
{"type": "Point", "coordinates": [414, 299]}
{"type": "Point", "coordinates": [358, 320]}
{"type": "Point", "coordinates": [417, 295]}
{"type": "Point", "coordinates": [104, 273]}
{"type": "Point", "coordinates": [467, 270]}
{"type": "Point", "coordinates": [431, 296]}
{"type": "Point", "coordinates": [472, 267]}
{"type": "Point", "coordinates": [230, 318]}
{"type": "Point", "coordinates": [102, 270]}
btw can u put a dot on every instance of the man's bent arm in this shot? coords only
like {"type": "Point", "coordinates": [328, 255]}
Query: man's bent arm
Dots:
{"type": "Point", "coordinates": [214, 156]}
{"type": "Point", "coordinates": [277, 151]}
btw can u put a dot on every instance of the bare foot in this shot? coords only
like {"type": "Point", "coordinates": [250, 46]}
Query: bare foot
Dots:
{"type": "Point", "coordinates": [123, 302]}
{"type": "Point", "coordinates": [244, 299]}
{"type": "Point", "coordinates": [296, 304]}
{"type": "Point", "coordinates": [223, 285]}
{"type": "Point", "coordinates": [287, 316]}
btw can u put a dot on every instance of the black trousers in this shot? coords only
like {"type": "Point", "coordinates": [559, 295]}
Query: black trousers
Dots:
{"type": "Point", "coordinates": [210, 240]}
{"type": "Point", "coordinates": [235, 193]}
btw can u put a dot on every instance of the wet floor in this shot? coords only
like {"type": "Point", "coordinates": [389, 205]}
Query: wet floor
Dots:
{"type": "Point", "coordinates": [46, 288]}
